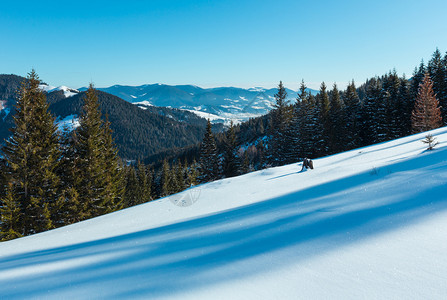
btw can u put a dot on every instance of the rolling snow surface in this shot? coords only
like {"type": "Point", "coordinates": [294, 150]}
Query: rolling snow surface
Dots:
{"type": "Point", "coordinates": [370, 223]}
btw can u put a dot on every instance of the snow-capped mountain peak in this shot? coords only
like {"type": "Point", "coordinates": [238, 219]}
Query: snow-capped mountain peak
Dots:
{"type": "Point", "coordinates": [68, 92]}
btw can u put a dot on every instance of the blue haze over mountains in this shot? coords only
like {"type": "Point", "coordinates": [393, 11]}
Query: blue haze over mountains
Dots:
{"type": "Point", "coordinates": [227, 103]}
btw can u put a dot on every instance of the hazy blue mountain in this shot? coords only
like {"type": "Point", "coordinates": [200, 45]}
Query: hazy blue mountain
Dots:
{"type": "Point", "coordinates": [221, 104]}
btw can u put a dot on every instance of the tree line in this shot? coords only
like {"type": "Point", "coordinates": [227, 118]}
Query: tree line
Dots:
{"type": "Point", "coordinates": [382, 109]}
{"type": "Point", "coordinates": [52, 178]}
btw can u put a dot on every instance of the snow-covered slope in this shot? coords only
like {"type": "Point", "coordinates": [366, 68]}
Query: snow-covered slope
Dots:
{"type": "Point", "coordinates": [369, 223]}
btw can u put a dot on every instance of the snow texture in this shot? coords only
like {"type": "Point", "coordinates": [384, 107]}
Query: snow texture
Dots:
{"type": "Point", "coordinates": [68, 123]}
{"type": "Point", "coordinates": [369, 223]}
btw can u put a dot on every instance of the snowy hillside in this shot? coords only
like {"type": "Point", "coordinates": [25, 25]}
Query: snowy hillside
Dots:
{"type": "Point", "coordinates": [369, 223]}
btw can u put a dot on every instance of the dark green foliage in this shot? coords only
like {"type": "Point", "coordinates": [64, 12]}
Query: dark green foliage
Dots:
{"type": "Point", "coordinates": [325, 106]}
{"type": "Point", "coordinates": [32, 155]}
{"type": "Point", "coordinates": [336, 122]}
{"type": "Point", "coordinates": [280, 119]}
{"type": "Point", "coordinates": [10, 213]}
{"type": "Point", "coordinates": [131, 194]}
{"type": "Point", "coordinates": [144, 177]}
{"type": "Point", "coordinates": [209, 161]}
{"type": "Point", "coordinates": [353, 117]}
{"type": "Point", "coordinates": [231, 160]}
{"type": "Point", "coordinates": [98, 173]}
{"type": "Point", "coordinates": [405, 107]}
{"type": "Point", "coordinates": [69, 177]}
{"type": "Point", "coordinates": [179, 174]}
{"type": "Point", "coordinates": [137, 133]}
{"type": "Point", "coordinates": [311, 128]}
{"type": "Point", "coordinates": [138, 183]}
{"type": "Point", "coordinates": [372, 112]}
{"type": "Point", "coordinates": [168, 179]}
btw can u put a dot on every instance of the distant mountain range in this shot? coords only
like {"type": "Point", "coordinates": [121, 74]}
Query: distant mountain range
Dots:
{"type": "Point", "coordinates": [149, 119]}
{"type": "Point", "coordinates": [138, 133]}
{"type": "Point", "coordinates": [219, 104]}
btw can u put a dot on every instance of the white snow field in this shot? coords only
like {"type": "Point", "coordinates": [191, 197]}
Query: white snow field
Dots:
{"type": "Point", "coordinates": [365, 224]}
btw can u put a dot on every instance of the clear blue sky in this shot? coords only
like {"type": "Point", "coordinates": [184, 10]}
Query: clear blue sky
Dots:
{"type": "Point", "coordinates": [218, 43]}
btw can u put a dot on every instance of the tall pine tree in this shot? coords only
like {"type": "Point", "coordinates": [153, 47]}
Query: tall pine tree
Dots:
{"type": "Point", "coordinates": [98, 181]}
{"type": "Point", "coordinates": [32, 155]}
{"type": "Point", "coordinates": [209, 160]}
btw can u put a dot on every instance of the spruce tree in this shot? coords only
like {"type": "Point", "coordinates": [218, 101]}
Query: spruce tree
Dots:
{"type": "Point", "coordinates": [32, 156]}
{"type": "Point", "coordinates": [281, 115]}
{"type": "Point", "coordinates": [325, 106]}
{"type": "Point", "coordinates": [209, 161]}
{"type": "Point", "coordinates": [393, 109]}
{"type": "Point", "coordinates": [10, 215]}
{"type": "Point", "coordinates": [131, 194]}
{"type": "Point", "coordinates": [406, 104]}
{"type": "Point", "coordinates": [418, 75]}
{"type": "Point", "coordinates": [294, 138]}
{"type": "Point", "coordinates": [193, 174]}
{"type": "Point", "coordinates": [113, 168]}
{"type": "Point", "coordinates": [144, 183]}
{"type": "Point", "coordinates": [98, 181]}
{"type": "Point", "coordinates": [168, 180]}
{"type": "Point", "coordinates": [68, 175]}
{"type": "Point", "coordinates": [353, 118]}
{"type": "Point", "coordinates": [179, 178]}
{"type": "Point", "coordinates": [231, 161]}
{"type": "Point", "coordinates": [311, 128]}
{"type": "Point", "coordinates": [426, 113]}
{"type": "Point", "coordinates": [336, 129]}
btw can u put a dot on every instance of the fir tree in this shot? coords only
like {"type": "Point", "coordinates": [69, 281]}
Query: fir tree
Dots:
{"type": "Point", "coordinates": [294, 138]}
{"type": "Point", "coordinates": [193, 174]}
{"type": "Point", "coordinates": [144, 183]}
{"type": "Point", "coordinates": [336, 119]}
{"type": "Point", "coordinates": [311, 128]}
{"type": "Point", "coordinates": [281, 115]}
{"type": "Point", "coordinates": [32, 156]}
{"type": "Point", "coordinates": [10, 215]}
{"type": "Point", "coordinates": [209, 162]}
{"type": "Point", "coordinates": [353, 120]}
{"type": "Point", "coordinates": [406, 104]}
{"type": "Point", "coordinates": [67, 173]}
{"type": "Point", "coordinates": [131, 194]}
{"type": "Point", "coordinates": [179, 178]}
{"type": "Point", "coordinates": [231, 161]}
{"type": "Point", "coordinates": [98, 181]}
{"type": "Point", "coordinates": [426, 113]}
{"type": "Point", "coordinates": [418, 75]}
{"type": "Point", "coordinates": [168, 180]}
{"type": "Point", "coordinates": [394, 117]}
{"type": "Point", "coordinates": [325, 106]}
{"type": "Point", "coordinates": [114, 183]}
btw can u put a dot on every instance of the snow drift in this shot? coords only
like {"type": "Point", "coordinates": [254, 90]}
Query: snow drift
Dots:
{"type": "Point", "coordinates": [368, 223]}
